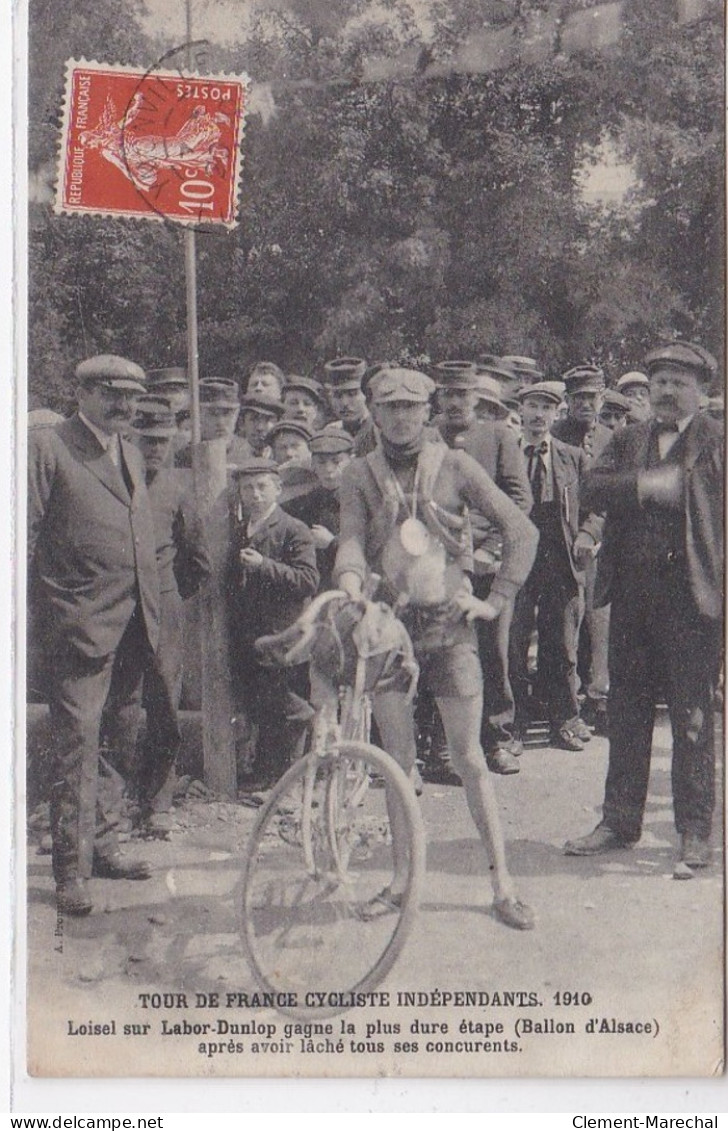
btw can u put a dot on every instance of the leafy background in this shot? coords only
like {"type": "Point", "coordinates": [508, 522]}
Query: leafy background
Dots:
{"type": "Point", "coordinates": [419, 182]}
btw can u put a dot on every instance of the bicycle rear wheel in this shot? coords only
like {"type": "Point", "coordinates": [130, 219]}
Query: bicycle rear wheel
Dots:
{"type": "Point", "coordinates": [321, 854]}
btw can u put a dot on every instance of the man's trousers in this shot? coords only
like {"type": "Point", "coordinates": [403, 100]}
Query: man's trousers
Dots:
{"type": "Point", "coordinates": [660, 644]}
{"type": "Point", "coordinates": [78, 693]}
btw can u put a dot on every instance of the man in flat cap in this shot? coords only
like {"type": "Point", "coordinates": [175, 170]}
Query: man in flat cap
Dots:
{"type": "Point", "coordinates": [615, 410]}
{"type": "Point", "coordinates": [344, 377]}
{"type": "Point", "coordinates": [219, 410]}
{"type": "Point", "coordinates": [585, 386]}
{"type": "Point", "coordinates": [660, 484]}
{"type": "Point", "coordinates": [319, 508]}
{"type": "Point", "coordinates": [403, 517]}
{"type": "Point", "coordinates": [495, 447]}
{"type": "Point", "coordinates": [304, 401]}
{"type": "Point", "coordinates": [551, 599]}
{"type": "Point", "coordinates": [184, 565]}
{"type": "Point", "coordinates": [93, 570]}
{"type": "Point", "coordinates": [635, 386]}
{"type": "Point", "coordinates": [171, 383]}
{"type": "Point", "coordinates": [258, 414]}
{"type": "Point", "coordinates": [272, 574]}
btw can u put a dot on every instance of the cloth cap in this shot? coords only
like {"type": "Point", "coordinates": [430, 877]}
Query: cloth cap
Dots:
{"type": "Point", "coordinates": [331, 441]}
{"type": "Point", "coordinates": [525, 367]}
{"type": "Point", "coordinates": [634, 377]}
{"type": "Point", "coordinates": [552, 390]}
{"type": "Point", "coordinates": [289, 426]}
{"type": "Point", "coordinates": [401, 385]}
{"type": "Point", "coordinates": [173, 375]}
{"type": "Point", "coordinates": [266, 406]}
{"type": "Point", "coordinates": [154, 417]}
{"type": "Point", "coordinates": [456, 375]}
{"type": "Point", "coordinates": [345, 372]}
{"type": "Point", "coordinates": [112, 371]}
{"type": "Point", "coordinates": [683, 355]}
{"type": "Point", "coordinates": [584, 379]}
{"type": "Point", "coordinates": [43, 417]}
{"type": "Point", "coordinates": [499, 369]}
{"type": "Point", "coordinates": [220, 391]}
{"type": "Point", "coordinates": [614, 399]}
{"type": "Point", "coordinates": [307, 385]}
{"type": "Point", "coordinates": [489, 390]}
{"type": "Point", "coordinates": [253, 467]}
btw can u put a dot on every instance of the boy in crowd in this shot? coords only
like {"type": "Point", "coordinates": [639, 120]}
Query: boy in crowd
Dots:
{"type": "Point", "coordinates": [331, 451]}
{"type": "Point", "coordinates": [272, 574]}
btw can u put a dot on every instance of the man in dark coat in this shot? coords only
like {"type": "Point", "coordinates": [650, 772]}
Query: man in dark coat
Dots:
{"type": "Point", "coordinates": [660, 483]}
{"type": "Point", "coordinates": [184, 564]}
{"type": "Point", "coordinates": [93, 571]}
{"type": "Point", "coordinates": [553, 593]}
{"type": "Point", "coordinates": [495, 447]}
{"type": "Point", "coordinates": [331, 451]}
{"type": "Point", "coordinates": [272, 575]}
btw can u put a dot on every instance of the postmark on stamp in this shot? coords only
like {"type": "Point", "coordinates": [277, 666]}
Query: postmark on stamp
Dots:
{"type": "Point", "coordinates": [156, 144]}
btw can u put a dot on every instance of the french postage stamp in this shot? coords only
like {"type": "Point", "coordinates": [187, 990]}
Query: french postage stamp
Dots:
{"type": "Point", "coordinates": [158, 144]}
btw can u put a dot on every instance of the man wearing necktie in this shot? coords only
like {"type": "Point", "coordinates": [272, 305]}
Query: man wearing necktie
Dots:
{"type": "Point", "coordinates": [552, 596]}
{"type": "Point", "coordinates": [93, 574]}
{"type": "Point", "coordinates": [661, 485]}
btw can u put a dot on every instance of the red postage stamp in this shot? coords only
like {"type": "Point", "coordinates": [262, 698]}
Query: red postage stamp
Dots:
{"type": "Point", "coordinates": [155, 144]}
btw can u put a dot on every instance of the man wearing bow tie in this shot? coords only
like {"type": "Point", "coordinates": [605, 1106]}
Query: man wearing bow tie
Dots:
{"type": "Point", "coordinates": [552, 596]}
{"type": "Point", "coordinates": [660, 483]}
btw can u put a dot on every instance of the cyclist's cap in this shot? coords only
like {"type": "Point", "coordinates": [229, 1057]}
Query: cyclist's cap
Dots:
{"type": "Point", "coordinates": [683, 355]}
{"type": "Point", "coordinates": [331, 441]}
{"type": "Point", "coordinates": [265, 406]}
{"type": "Point", "coordinates": [551, 390]}
{"type": "Point", "coordinates": [584, 379]}
{"type": "Point", "coordinates": [455, 375]}
{"type": "Point", "coordinates": [294, 426]}
{"type": "Point", "coordinates": [400, 385]}
{"type": "Point", "coordinates": [253, 467]}
{"type": "Point", "coordinates": [634, 377]}
{"type": "Point", "coordinates": [112, 372]}
{"type": "Point", "coordinates": [173, 377]}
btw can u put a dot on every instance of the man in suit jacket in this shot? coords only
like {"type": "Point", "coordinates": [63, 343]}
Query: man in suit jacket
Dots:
{"type": "Point", "coordinates": [495, 447]}
{"type": "Point", "coordinates": [661, 485]}
{"type": "Point", "coordinates": [272, 576]}
{"type": "Point", "coordinates": [555, 585]}
{"type": "Point", "coordinates": [581, 427]}
{"type": "Point", "coordinates": [93, 571]}
{"type": "Point", "coordinates": [184, 565]}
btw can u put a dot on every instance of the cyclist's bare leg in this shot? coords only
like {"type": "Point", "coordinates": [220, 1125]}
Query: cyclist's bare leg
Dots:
{"type": "Point", "coordinates": [395, 718]}
{"type": "Point", "coordinates": [461, 720]}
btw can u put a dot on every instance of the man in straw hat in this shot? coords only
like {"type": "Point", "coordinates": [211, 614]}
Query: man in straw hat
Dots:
{"type": "Point", "coordinates": [403, 517]}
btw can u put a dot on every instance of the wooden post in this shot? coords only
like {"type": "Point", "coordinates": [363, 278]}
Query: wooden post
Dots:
{"type": "Point", "coordinates": [218, 733]}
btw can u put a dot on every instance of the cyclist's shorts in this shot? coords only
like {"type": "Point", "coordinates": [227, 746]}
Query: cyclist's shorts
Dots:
{"type": "Point", "coordinates": [453, 672]}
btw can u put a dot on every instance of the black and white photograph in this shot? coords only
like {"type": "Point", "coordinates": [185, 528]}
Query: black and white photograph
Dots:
{"type": "Point", "coordinates": [371, 632]}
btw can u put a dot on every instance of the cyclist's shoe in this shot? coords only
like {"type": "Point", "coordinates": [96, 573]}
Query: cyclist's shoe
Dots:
{"type": "Point", "coordinates": [511, 911]}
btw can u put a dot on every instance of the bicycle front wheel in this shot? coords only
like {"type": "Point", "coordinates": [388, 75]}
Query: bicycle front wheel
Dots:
{"type": "Point", "coordinates": [332, 879]}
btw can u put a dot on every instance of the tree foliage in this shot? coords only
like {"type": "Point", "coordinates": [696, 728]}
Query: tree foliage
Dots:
{"type": "Point", "coordinates": [431, 213]}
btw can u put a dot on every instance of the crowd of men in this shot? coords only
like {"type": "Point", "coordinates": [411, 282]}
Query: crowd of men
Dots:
{"type": "Point", "coordinates": [554, 548]}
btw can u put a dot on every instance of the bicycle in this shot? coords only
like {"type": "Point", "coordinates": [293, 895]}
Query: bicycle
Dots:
{"type": "Point", "coordinates": [320, 921]}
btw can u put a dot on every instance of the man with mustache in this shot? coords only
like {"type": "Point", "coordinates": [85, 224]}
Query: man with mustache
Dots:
{"type": "Point", "coordinates": [93, 572]}
{"type": "Point", "coordinates": [553, 594]}
{"type": "Point", "coordinates": [660, 483]}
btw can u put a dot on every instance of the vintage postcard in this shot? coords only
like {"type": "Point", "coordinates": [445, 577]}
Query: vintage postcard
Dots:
{"type": "Point", "coordinates": [374, 529]}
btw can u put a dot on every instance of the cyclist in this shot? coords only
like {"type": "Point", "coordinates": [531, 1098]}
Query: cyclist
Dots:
{"type": "Point", "coordinates": [404, 515]}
